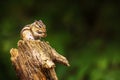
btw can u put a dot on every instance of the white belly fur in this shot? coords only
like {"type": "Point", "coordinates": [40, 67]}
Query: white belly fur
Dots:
{"type": "Point", "coordinates": [27, 35]}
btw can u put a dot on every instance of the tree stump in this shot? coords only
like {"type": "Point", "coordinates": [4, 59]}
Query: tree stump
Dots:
{"type": "Point", "coordinates": [34, 60]}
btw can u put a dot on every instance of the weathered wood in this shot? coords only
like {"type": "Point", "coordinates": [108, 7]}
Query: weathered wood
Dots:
{"type": "Point", "coordinates": [34, 60]}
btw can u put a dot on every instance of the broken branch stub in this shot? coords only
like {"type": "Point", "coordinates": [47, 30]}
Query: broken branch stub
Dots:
{"type": "Point", "coordinates": [34, 60]}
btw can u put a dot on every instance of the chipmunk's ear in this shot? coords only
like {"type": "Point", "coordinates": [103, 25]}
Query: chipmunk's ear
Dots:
{"type": "Point", "coordinates": [40, 20]}
{"type": "Point", "coordinates": [41, 24]}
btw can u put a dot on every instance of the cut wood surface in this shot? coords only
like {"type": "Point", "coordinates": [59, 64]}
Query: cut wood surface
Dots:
{"type": "Point", "coordinates": [34, 60]}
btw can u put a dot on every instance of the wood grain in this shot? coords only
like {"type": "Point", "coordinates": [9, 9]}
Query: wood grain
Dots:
{"type": "Point", "coordinates": [34, 60]}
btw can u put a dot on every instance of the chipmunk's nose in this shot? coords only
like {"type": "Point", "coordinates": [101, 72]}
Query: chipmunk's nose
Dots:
{"type": "Point", "coordinates": [45, 34]}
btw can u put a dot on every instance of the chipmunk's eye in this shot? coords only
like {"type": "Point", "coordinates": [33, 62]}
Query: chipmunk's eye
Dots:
{"type": "Point", "coordinates": [40, 32]}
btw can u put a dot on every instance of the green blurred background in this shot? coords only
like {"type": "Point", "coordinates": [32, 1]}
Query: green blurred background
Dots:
{"type": "Point", "coordinates": [85, 31]}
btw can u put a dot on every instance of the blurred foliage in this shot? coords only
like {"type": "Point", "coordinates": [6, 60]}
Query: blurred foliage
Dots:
{"type": "Point", "coordinates": [86, 32]}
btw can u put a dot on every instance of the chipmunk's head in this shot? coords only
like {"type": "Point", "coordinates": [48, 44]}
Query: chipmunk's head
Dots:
{"type": "Point", "coordinates": [39, 29]}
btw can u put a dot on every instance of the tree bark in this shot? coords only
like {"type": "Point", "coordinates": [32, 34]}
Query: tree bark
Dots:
{"type": "Point", "coordinates": [34, 60]}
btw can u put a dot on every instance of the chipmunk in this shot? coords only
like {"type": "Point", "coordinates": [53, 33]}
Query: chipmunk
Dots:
{"type": "Point", "coordinates": [34, 31]}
